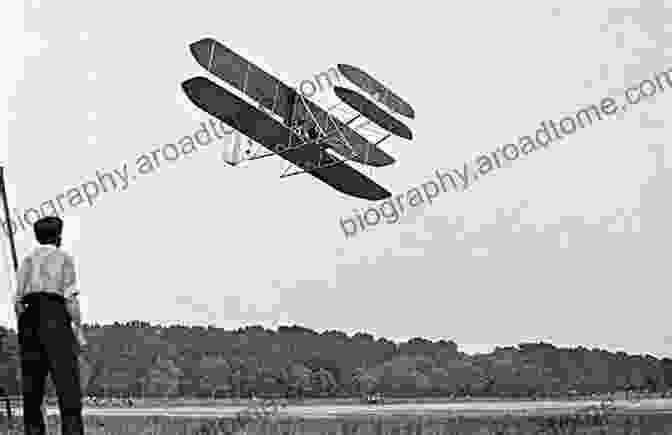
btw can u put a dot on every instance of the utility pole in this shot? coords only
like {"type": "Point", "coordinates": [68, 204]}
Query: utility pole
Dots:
{"type": "Point", "coordinates": [10, 234]}
{"type": "Point", "coordinates": [10, 229]}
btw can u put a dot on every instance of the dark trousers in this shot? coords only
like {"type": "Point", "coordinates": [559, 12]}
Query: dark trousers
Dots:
{"type": "Point", "coordinates": [48, 345]}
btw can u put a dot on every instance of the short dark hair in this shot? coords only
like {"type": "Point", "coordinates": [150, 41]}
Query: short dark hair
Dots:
{"type": "Point", "coordinates": [48, 230]}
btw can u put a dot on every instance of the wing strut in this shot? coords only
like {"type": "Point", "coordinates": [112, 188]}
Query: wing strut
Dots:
{"type": "Point", "coordinates": [319, 166]}
{"type": "Point", "coordinates": [293, 137]}
{"type": "Point", "coordinates": [324, 137]}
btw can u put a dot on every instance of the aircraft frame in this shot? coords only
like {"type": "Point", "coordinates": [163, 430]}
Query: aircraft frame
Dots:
{"type": "Point", "coordinates": [288, 124]}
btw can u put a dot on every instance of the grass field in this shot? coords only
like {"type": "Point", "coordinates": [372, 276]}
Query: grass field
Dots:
{"type": "Point", "coordinates": [556, 425]}
{"type": "Point", "coordinates": [649, 418]}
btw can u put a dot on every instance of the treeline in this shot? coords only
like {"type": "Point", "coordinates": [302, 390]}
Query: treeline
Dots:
{"type": "Point", "coordinates": [137, 358]}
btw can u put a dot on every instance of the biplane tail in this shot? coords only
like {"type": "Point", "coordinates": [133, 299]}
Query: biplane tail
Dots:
{"type": "Point", "coordinates": [370, 110]}
{"type": "Point", "coordinates": [376, 90]}
{"type": "Point", "coordinates": [382, 96]}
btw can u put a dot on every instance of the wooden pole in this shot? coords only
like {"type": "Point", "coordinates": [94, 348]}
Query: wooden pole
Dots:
{"type": "Point", "coordinates": [10, 234]}
{"type": "Point", "coordinates": [10, 229]}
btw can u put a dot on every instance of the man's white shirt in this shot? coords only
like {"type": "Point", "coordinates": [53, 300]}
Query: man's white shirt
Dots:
{"type": "Point", "coordinates": [47, 269]}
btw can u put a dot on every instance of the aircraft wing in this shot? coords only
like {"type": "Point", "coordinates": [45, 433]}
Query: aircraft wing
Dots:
{"type": "Point", "coordinates": [243, 75]}
{"type": "Point", "coordinates": [282, 100]}
{"type": "Point", "coordinates": [271, 134]}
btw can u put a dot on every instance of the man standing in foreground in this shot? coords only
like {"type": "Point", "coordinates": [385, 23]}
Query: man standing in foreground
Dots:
{"type": "Point", "coordinates": [45, 308]}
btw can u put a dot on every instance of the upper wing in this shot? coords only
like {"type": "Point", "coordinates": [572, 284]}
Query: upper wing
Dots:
{"type": "Point", "coordinates": [268, 132]}
{"type": "Point", "coordinates": [244, 76]}
{"type": "Point", "coordinates": [376, 89]}
{"type": "Point", "coordinates": [283, 101]}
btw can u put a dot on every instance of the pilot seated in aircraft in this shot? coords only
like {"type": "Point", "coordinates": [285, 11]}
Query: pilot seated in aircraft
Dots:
{"type": "Point", "coordinates": [309, 130]}
{"type": "Point", "coordinates": [312, 133]}
{"type": "Point", "coordinates": [297, 127]}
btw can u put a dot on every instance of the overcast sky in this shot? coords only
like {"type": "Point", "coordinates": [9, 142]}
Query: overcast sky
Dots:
{"type": "Point", "coordinates": [566, 245]}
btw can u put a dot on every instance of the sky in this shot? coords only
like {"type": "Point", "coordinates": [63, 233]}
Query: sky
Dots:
{"type": "Point", "coordinates": [564, 245]}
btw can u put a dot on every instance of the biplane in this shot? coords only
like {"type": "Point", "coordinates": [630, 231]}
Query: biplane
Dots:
{"type": "Point", "coordinates": [291, 126]}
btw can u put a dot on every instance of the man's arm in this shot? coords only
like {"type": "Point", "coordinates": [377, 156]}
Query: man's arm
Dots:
{"type": "Point", "coordinates": [22, 277]}
{"type": "Point", "coordinates": [70, 290]}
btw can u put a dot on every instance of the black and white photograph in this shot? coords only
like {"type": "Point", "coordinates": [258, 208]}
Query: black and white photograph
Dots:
{"type": "Point", "coordinates": [354, 218]}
